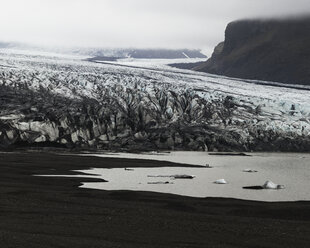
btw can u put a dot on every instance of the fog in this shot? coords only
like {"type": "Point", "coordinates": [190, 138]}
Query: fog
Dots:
{"type": "Point", "coordinates": [133, 23]}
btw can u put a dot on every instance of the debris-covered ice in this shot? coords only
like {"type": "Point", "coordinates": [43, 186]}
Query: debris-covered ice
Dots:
{"type": "Point", "coordinates": [73, 102]}
{"type": "Point", "coordinates": [250, 170]}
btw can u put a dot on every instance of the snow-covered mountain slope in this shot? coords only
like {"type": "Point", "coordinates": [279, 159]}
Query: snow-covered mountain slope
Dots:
{"type": "Point", "coordinates": [134, 104]}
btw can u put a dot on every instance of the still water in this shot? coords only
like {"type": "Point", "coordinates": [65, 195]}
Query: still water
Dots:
{"type": "Point", "coordinates": [289, 169]}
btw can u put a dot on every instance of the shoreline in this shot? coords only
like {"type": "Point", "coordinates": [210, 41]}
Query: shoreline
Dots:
{"type": "Point", "coordinates": [283, 168]}
{"type": "Point", "coordinates": [54, 212]}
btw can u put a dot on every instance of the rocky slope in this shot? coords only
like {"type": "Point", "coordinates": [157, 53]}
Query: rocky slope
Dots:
{"type": "Point", "coordinates": [273, 50]}
{"type": "Point", "coordinates": [78, 104]}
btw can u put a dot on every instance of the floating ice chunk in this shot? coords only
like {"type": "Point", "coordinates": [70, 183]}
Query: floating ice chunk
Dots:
{"type": "Point", "coordinates": [183, 176]}
{"type": "Point", "coordinates": [177, 176]}
{"type": "Point", "coordinates": [160, 182]}
{"type": "Point", "coordinates": [158, 176]}
{"type": "Point", "coordinates": [249, 170]}
{"type": "Point", "coordinates": [270, 185]}
{"type": "Point", "coordinates": [220, 181]}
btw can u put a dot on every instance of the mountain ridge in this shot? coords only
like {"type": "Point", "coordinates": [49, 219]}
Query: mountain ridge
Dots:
{"type": "Point", "coordinates": [111, 53]}
{"type": "Point", "coordinates": [271, 50]}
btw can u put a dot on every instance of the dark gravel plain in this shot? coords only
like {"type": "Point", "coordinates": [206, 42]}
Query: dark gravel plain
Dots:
{"type": "Point", "coordinates": [53, 212]}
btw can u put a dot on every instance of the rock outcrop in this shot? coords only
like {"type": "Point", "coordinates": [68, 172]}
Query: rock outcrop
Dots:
{"type": "Point", "coordinates": [271, 50]}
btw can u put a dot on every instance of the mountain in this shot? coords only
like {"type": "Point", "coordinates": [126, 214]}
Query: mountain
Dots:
{"type": "Point", "coordinates": [272, 50]}
{"type": "Point", "coordinates": [165, 54]}
{"type": "Point", "coordinates": [111, 54]}
{"type": "Point", "coordinates": [108, 54]}
{"type": "Point", "coordinates": [7, 44]}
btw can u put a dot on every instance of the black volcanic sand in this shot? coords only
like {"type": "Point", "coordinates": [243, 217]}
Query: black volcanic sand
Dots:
{"type": "Point", "coordinates": [54, 212]}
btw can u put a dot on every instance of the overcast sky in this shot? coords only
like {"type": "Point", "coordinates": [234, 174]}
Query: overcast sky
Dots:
{"type": "Point", "coordinates": [133, 23]}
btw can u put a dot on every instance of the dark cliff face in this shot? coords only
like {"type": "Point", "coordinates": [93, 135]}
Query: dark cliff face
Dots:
{"type": "Point", "coordinates": [271, 50]}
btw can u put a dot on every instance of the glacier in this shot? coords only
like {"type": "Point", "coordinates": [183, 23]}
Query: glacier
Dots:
{"type": "Point", "coordinates": [135, 104]}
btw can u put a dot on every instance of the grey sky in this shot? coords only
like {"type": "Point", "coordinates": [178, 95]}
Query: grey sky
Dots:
{"type": "Point", "coordinates": [133, 23]}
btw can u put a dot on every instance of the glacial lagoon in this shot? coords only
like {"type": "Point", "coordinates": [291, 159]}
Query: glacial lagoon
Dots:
{"type": "Point", "coordinates": [289, 169]}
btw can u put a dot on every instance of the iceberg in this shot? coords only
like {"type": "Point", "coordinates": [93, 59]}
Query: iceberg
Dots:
{"type": "Point", "coordinates": [267, 185]}
{"type": "Point", "coordinates": [220, 181]}
{"type": "Point", "coordinates": [249, 170]}
{"type": "Point", "coordinates": [270, 185]}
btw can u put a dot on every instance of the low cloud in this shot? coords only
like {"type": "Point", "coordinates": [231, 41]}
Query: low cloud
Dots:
{"type": "Point", "coordinates": [133, 23]}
